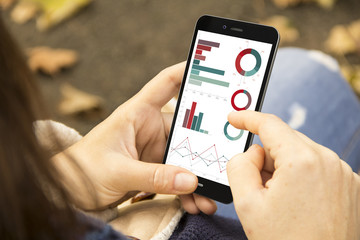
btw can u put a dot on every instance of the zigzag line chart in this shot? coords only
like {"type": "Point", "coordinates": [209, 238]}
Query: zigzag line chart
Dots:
{"type": "Point", "coordinates": [208, 157]}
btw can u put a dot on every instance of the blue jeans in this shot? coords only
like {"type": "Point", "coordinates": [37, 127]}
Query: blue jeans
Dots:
{"type": "Point", "coordinates": [307, 91]}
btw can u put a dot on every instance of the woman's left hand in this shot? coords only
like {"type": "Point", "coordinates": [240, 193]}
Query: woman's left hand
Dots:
{"type": "Point", "coordinates": [124, 153]}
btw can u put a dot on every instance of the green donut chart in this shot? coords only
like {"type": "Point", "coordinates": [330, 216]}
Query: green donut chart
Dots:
{"type": "Point", "coordinates": [230, 137]}
{"type": "Point", "coordinates": [241, 55]}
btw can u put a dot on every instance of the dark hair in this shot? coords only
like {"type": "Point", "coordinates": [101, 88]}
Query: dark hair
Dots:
{"type": "Point", "coordinates": [26, 210]}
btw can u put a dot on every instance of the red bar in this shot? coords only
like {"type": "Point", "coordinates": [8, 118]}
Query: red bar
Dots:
{"type": "Point", "coordinates": [198, 52]}
{"type": "Point", "coordinates": [192, 112]}
{"type": "Point", "coordinates": [202, 47]}
{"type": "Point", "coordinates": [199, 57]}
{"type": "Point", "coordinates": [186, 118]}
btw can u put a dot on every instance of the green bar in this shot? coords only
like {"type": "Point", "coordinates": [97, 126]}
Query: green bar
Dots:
{"type": "Point", "coordinates": [196, 61]}
{"type": "Point", "coordinates": [206, 132]}
{"type": "Point", "coordinates": [202, 131]}
{"type": "Point", "coordinates": [207, 69]}
{"type": "Point", "coordinates": [195, 72]}
{"type": "Point", "coordinates": [195, 82]}
{"type": "Point", "coordinates": [194, 122]}
{"type": "Point", "coordinates": [199, 121]}
{"type": "Point", "coordinates": [209, 80]}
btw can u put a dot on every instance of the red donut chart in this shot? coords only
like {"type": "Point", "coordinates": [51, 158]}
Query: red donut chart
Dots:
{"type": "Point", "coordinates": [233, 100]}
{"type": "Point", "coordinates": [256, 67]}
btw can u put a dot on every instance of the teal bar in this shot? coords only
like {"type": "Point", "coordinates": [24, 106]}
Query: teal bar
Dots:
{"type": "Point", "coordinates": [209, 80]}
{"type": "Point", "coordinates": [202, 131]}
{"type": "Point", "coordinates": [207, 69]}
{"type": "Point", "coordinates": [199, 121]}
{"type": "Point", "coordinates": [195, 82]}
{"type": "Point", "coordinates": [194, 122]}
{"type": "Point", "coordinates": [195, 72]}
{"type": "Point", "coordinates": [196, 61]}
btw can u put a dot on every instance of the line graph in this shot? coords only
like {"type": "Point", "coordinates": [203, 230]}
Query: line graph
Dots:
{"type": "Point", "coordinates": [209, 156]}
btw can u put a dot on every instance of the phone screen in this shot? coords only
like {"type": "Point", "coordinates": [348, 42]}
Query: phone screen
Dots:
{"type": "Point", "coordinates": [224, 74]}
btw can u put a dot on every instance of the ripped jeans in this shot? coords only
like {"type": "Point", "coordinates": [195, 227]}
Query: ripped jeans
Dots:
{"type": "Point", "coordinates": [307, 91]}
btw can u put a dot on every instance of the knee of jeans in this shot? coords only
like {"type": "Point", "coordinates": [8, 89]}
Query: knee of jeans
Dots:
{"type": "Point", "coordinates": [304, 55]}
{"type": "Point", "coordinates": [324, 59]}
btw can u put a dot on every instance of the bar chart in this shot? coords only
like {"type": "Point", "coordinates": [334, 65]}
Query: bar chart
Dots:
{"type": "Point", "coordinates": [193, 122]}
{"type": "Point", "coordinates": [196, 68]}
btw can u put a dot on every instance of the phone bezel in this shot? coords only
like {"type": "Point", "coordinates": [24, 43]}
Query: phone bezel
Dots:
{"type": "Point", "coordinates": [235, 28]}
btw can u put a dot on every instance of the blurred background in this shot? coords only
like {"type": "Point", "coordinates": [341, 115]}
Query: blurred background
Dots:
{"type": "Point", "coordinates": [91, 56]}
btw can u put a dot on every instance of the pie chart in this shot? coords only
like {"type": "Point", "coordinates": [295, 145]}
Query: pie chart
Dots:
{"type": "Point", "coordinates": [256, 68]}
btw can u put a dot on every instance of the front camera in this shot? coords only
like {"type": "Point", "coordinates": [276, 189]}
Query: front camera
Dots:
{"type": "Point", "coordinates": [224, 26]}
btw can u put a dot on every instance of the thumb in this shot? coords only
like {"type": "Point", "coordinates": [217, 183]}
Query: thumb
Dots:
{"type": "Point", "coordinates": [243, 172]}
{"type": "Point", "coordinates": [159, 178]}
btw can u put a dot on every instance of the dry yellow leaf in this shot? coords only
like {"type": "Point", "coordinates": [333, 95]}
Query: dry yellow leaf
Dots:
{"type": "Point", "coordinates": [75, 101]}
{"type": "Point", "coordinates": [356, 83]}
{"type": "Point", "coordinates": [50, 61]}
{"type": "Point", "coordinates": [288, 33]}
{"type": "Point", "coordinates": [24, 11]}
{"type": "Point", "coordinates": [352, 75]}
{"type": "Point", "coordinates": [344, 39]}
{"type": "Point", "coordinates": [328, 4]}
{"type": "Point", "coordinates": [55, 11]}
{"type": "Point", "coordinates": [5, 4]}
{"type": "Point", "coordinates": [354, 30]}
{"type": "Point", "coordinates": [286, 3]}
{"type": "Point", "coordinates": [347, 72]}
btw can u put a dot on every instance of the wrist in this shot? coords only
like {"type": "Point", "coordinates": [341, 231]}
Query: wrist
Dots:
{"type": "Point", "coordinates": [357, 206]}
{"type": "Point", "coordinates": [74, 180]}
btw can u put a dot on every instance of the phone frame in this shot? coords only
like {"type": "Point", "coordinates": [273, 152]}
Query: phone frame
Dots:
{"type": "Point", "coordinates": [235, 28]}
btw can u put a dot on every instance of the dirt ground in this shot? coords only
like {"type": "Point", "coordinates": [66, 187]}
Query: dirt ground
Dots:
{"type": "Point", "coordinates": [123, 44]}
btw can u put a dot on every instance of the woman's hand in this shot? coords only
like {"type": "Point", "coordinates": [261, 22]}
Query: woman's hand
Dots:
{"type": "Point", "coordinates": [124, 152]}
{"type": "Point", "coordinates": [292, 188]}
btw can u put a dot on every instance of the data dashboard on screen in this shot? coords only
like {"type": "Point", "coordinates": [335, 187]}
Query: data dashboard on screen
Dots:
{"type": "Point", "coordinates": [225, 75]}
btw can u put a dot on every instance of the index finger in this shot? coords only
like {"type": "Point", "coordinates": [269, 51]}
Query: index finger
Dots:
{"type": "Point", "coordinates": [163, 86]}
{"type": "Point", "coordinates": [273, 132]}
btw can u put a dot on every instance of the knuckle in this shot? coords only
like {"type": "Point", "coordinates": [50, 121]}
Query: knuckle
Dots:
{"type": "Point", "coordinates": [273, 117]}
{"type": "Point", "coordinates": [234, 165]}
{"type": "Point", "coordinates": [159, 181]}
{"type": "Point", "coordinates": [269, 121]}
{"type": "Point", "coordinates": [243, 205]}
{"type": "Point", "coordinates": [347, 170]}
{"type": "Point", "coordinates": [309, 159]}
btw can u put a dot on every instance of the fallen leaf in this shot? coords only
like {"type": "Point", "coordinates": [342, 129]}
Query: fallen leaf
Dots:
{"type": "Point", "coordinates": [356, 84]}
{"type": "Point", "coordinates": [344, 39]}
{"type": "Point", "coordinates": [287, 31]}
{"type": "Point", "coordinates": [354, 30]}
{"type": "Point", "coordinates": [352, 74]}
{"type": "Point", "coordinates": [347, 72]}
{"type": "Point", "coordinates": [24, 11]}
{"type": "Point", "coordinates": [327, 4]}
{"type": "Point", "coordinates": [50, 61]}
{"type": "Point", "coordinates": [75, 101]}
{"type": "Point", "coordinates": [286, 3]}
{"type": "Point", "coordinates": [5, 4]}
{"type": "Point", "coordinates": [55, 11]}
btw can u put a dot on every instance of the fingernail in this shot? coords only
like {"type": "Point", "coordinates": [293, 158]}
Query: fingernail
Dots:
{"type": "Point", "coordinates": [184, 182]}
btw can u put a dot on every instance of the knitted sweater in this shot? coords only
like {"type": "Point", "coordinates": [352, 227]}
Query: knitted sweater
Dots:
{"type": "Point", "coordinates": [190, 227]}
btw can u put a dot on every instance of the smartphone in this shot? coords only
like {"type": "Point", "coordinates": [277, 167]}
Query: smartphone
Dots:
{"type": "Point", "coordinates": [228, 69]}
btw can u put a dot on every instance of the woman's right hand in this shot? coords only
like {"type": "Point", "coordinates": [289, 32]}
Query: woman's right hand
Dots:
{"type": "Point", "coordinates": [292, 188]}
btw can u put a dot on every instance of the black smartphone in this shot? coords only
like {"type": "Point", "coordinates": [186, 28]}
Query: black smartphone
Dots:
{"type": "Point", "coordinates": [228, 68]}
